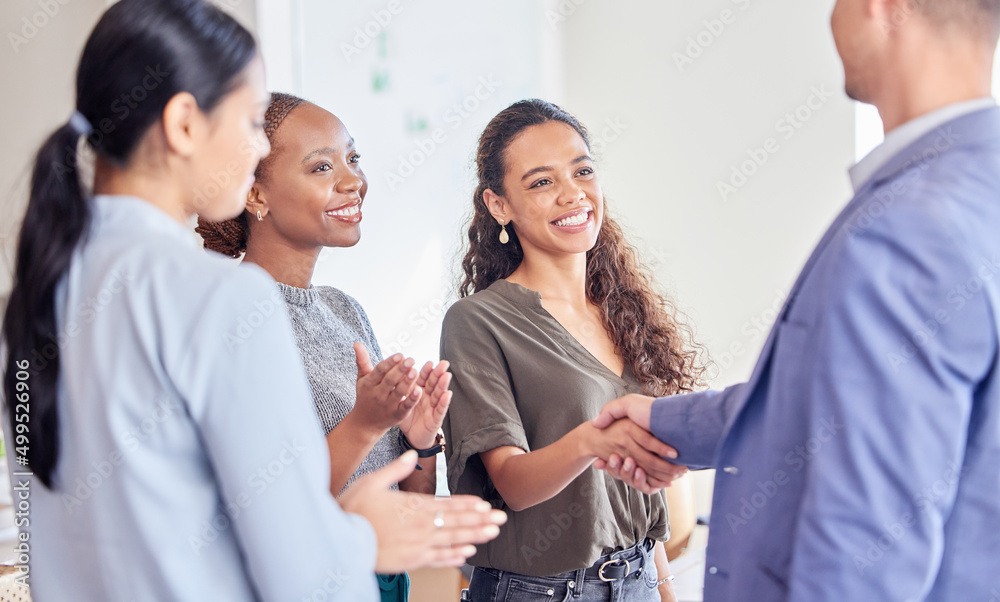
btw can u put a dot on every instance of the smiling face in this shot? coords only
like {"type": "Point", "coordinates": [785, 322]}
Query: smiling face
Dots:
{"type": "Point", "coordinates": [313, 187]}
{"type": "Point", "coordinates": [551, 194]}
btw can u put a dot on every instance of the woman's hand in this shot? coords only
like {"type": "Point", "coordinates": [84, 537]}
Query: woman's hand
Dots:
{"type": "Point", "coordinates": [387, 393]}
{"type": "Point", "coordinates": [422, 424]}
{"type": "Point", "coordinates": [627, 471]}
{"type": "Point", "coordinates": [414, 530]}
{"type": "Point", "coordinates": [625, 439]}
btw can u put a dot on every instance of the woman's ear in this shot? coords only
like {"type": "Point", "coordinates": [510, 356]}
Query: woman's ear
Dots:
{"type": "Point", "coordinates": [496, 205]}
{"type": "Point", "coordinates": [256, 203]}
{"type": "Point", "coordinates": [183, 124]}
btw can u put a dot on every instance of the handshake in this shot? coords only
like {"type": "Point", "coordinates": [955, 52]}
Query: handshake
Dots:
{"type": "Point", "coordinates": [620, 439]}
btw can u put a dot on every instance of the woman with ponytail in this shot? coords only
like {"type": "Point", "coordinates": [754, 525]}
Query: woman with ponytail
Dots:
{"type": "Point", "coordinates": [155, 393]}
{"type": "Point", "coordinates": [308, 195]}
{"type": "Point", "coordinates": [556, 319]}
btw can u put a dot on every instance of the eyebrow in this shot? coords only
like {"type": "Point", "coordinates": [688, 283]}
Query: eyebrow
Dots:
{"type": "Point", "coordinates": [536, 170]}
{"type": "Point", "coordinates": [329, 150]}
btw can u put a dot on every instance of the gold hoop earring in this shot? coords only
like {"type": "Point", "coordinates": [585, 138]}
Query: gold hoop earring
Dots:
{"type": "Point", "coordinates": [260, 217]}
{"type": "Point", "coordinates": [504, 237]}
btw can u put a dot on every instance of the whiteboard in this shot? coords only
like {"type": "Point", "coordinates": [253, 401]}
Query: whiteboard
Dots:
{"type": "Point", "coordinates": [415, 83]}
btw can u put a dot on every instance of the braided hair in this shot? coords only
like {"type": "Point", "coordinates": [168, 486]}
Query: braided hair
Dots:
{"type": "Point", "coordinates": [230, 237]}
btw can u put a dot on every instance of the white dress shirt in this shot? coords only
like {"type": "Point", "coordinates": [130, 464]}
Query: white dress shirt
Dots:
{"type": "Point", "coordinates": [192, 465]}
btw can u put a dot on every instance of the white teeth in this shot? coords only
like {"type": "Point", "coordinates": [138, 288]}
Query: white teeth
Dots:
{"type": "Point", "coordinates": [348, 212]}
{"type": "Point", "coordinates": [575, 220]}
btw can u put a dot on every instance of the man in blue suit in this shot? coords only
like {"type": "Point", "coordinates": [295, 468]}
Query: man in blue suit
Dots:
{"type": "Point", "coordinates": [861, 461]}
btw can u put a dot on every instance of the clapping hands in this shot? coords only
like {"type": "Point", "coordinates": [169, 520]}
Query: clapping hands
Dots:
{"type": "Point", "coordinates": [395, 393]}
{"type": "Point", "coordinates": [422, 424]}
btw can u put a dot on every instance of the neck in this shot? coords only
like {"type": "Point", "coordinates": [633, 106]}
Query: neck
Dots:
{"type": "Point", "coordinates": [144, 184]}
{"type": "Point", "coordinates": [930, 76]}
{"type": "Point", "coordinates": [285, 263]}
{"type": "Point", "coordinates": [562, 278]}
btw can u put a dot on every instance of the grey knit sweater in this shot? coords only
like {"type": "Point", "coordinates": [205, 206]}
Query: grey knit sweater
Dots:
{"type": "Point", "coordinates": [327, 323]}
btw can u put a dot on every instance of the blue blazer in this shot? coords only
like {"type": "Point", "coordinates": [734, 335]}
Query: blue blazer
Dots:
{"type": "Point", "coordinates": [861, 461]}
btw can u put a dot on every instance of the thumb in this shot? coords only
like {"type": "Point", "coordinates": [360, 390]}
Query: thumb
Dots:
{"type": "Point", "coordinates": [364, 360]}
{"type": "Point", "coordinates": [612, 411]}
{"type": "Point", "coordinates": [394, 472]}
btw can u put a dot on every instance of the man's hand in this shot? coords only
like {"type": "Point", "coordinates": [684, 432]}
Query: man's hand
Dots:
{"type": "Point", "coordinates": [636, 408]}
{"type": "Point", "coordinates": [623, 467]}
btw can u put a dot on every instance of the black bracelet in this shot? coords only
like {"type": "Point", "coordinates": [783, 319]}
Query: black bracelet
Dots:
{"type": "Point", "coordinates": [430, 452]}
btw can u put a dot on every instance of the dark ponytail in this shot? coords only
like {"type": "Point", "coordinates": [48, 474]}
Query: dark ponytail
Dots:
{"type": "Point", "coordinates": [139, 56]}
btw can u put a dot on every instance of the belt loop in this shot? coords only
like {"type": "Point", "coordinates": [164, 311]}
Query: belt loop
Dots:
{"type": "Point", "coordinates": [581, 579]}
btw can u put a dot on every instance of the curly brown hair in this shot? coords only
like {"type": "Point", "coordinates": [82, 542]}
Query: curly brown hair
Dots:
{"type": "Point", "coordinates": [643, 324]}
{"type": "Point", "coordinates": [230, 237]}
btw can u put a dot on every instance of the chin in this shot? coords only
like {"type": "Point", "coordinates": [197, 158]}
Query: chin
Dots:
{"type": "Point", "coordinates": [220, 211]}
{"type": "Point", "coordinates": [344, 240]}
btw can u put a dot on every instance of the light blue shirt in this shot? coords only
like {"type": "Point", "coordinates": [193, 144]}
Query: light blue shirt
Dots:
{"type": "Point", "coordinates": [192, 465]}
{"type": "Point", "coordinates": [861, 461]}
{"type": "Point", "coordinates": [906, 134]}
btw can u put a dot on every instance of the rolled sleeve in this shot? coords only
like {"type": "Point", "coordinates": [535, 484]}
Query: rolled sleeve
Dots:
{"type": "Point", "coordinates": [483, 413]}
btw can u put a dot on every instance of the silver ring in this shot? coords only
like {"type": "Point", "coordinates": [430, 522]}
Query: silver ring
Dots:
{"type": "Point", "coordinates": [439, 519]}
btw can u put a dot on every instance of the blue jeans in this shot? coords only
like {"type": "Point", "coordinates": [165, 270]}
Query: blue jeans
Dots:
{"type": "Point", "coordinates": [490, 585]}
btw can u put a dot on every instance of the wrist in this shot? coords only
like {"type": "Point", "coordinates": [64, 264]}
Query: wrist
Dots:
{"type": "Point", "coordinates": [428, 451]}
{"type": "Point", "coordinates": [367, 434]}
{"type": "Point", "coordinates": [421, 441]}
{"type": "Point", "coordinates": [583, 441]}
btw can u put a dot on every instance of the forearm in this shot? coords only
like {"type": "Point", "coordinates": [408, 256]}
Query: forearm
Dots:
{"type": "Point", "coordinates": [424, 480]}
{"type": "Point", "coordinates": [528, 479]}
{"type": "Point", "coordinates": [349, 445]}
{"type": "Point", "coordinates": [666, 589]}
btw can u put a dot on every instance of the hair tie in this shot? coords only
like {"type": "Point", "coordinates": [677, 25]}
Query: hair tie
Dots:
{"type": "Point", "coordinates": [80, 124]}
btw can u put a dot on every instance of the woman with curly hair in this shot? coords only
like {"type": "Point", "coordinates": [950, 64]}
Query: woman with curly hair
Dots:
{"type": "Point", "coordinates": [308, 195]}
{"type": "Point", "coordinates": [562, 320]}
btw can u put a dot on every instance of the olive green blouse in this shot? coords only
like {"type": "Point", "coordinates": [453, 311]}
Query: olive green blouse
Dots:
{"type": "Point", "coordinates": [520, 379]}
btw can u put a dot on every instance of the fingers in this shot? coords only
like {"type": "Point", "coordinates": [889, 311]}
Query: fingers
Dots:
{"type": "Point", "coordinates": [650, 442]}
{"type": "Point", "coordinates": [615, 461]}
{"type": "Point", "coordinates": [656, 466]}
{"type": "Point", "coordinates": [410, 401]}
{"type": "Point", "coordinates": [399, 380]}
{"type": "Point", "coordinates": [464, 526]}
{"type": "Point", "coordinates": [437, 380]}
{"type": "Point", "coordinates": [383, 479]}
{"type": "Point", "coordinates": [447, 537]}
{"type": "Point", "coordinates": [364, 360]}
{"type": "Point", "coordinates": [459, 503]}
{"type": "Point", "coordinates": [383, 367]}
{"type": "Point", "coordinates": [637, 479]}
{"type": "Point", "coordinates": [628, 472]}
{"type": "Point", "coordinates": [450, 557]}
{"type": "Point", "coordinates": [637, 408]}
{"type": "Point", "coordinates": [425, 372]}
{"type": "Point", "coordinates": [611, 412]}
{"type": "Point", "coordinates": [441, 408]}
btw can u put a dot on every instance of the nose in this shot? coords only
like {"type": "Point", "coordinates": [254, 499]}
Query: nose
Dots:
{"type": "Point", "coordinates": [571, 193]}
{"type": "Point", "coordinates": [351, 182]}
{"type": "Point", "coordinates": [262, 144]}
